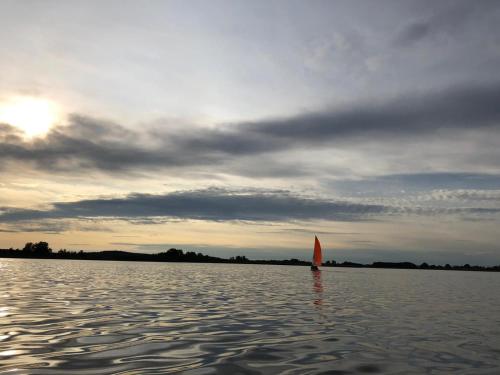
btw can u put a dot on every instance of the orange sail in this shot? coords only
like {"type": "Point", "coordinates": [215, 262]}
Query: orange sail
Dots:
{"type": "Point", "coordinates": [317, 257]}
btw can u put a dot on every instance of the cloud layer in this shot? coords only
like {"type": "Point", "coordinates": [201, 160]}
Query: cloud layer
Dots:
{"type": "Point", "coordinates": [87, 143]}
{"type": "Point", "coordinates": [215, 204]}
{"type": "Point", "coordinates": [208, 204]}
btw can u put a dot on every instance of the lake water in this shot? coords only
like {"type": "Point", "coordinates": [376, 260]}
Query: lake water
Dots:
{"type": "Point", "coordinates": [90, 317]}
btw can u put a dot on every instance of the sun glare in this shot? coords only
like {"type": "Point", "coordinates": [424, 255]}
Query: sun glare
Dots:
{"type": "Point", "coordinates": [34, 116]}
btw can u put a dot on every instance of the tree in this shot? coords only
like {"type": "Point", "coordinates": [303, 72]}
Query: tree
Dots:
{"type": "Point", "coordinates": [42, 248]}
{"type": "Point", "coordinates": [28, 248]}
{"type": "Point", "coordinates": [241, 259]}
{"type": "Point", "coordinates": [174, 254]}
{"type": "Point", "coordinates": [62, 252]}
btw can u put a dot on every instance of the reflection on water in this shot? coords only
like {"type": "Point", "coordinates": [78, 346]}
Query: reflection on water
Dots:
{"type": "Point", "coordinates": [82, 317]}
{"type": "Point", "coordinates": [318, 287]}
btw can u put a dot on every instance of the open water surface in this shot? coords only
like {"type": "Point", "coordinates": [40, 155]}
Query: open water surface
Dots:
{"type": "Point", "coordinates": [96, 317]}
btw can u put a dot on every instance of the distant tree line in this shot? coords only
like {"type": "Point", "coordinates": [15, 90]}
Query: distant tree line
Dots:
{"type": "Point", "coordinates": [409, 265]}
{"type": "Point", "coordinates": [43, 250]}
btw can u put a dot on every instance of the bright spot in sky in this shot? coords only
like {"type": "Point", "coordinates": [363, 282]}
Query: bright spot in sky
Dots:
{"type": "Point", "coordinates": [34, 116]}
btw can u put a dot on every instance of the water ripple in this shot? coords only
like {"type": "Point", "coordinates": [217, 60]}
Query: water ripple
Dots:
{"type": "Point", "coordinates": [81, 317]}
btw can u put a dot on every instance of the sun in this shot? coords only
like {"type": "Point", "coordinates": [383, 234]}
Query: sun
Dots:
{"type": "Point", "coordinates": [34, 116]}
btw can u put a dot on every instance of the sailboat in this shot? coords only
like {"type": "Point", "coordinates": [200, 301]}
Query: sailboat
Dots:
{"type": "Point", "coordinates": [317, 257]}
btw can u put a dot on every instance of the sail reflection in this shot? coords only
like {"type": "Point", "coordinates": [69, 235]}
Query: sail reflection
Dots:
{"type": "Point", "coordinates": [318, 288]}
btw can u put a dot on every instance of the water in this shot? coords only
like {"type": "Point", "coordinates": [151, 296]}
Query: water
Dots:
{"type": "Point", "coordinates": [86, 317]}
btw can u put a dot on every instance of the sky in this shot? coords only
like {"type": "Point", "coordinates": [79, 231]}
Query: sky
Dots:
{"type": "Point", "coordinates": [245, 128]}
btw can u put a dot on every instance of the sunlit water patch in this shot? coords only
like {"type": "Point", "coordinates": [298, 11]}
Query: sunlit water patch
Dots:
{"type": "Point", "coordinates": [85, 317]}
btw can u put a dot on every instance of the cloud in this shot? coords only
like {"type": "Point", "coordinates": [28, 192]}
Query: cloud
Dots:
{"type": "Point", "coordinates": [449, 20]}
{"type": "Point", "coordinates": [311, 231]}
{"type": "Point", "coordinates": [208, 204]}
{"type": "Point", "coordinates": [456, 108]}
{"type": "Point", "coordinates": [476, 195]}
{"type": "Point", "coordinates": [215, 204]}
{"type": "Point", "coordinates": [90, 144]}
{"type": "Point", "coordinates": [398, 184]}
{"type": "Point", "coordinates": [413, 32]}
{"type": "Point", "coordinates": [48, 225]}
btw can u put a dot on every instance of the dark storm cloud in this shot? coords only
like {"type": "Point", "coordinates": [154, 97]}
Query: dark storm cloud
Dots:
{"type": "Point", "coordinates": [209, 204]}
{"type": "Point", "coordinates": [92, 144]}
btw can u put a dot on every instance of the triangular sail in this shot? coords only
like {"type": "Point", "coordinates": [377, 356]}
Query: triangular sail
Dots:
{"type": "Point", "coordinates": [317, 257]}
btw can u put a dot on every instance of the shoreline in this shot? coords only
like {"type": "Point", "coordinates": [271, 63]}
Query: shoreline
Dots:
{"type": "Point", "coordinates": [178, 256]}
